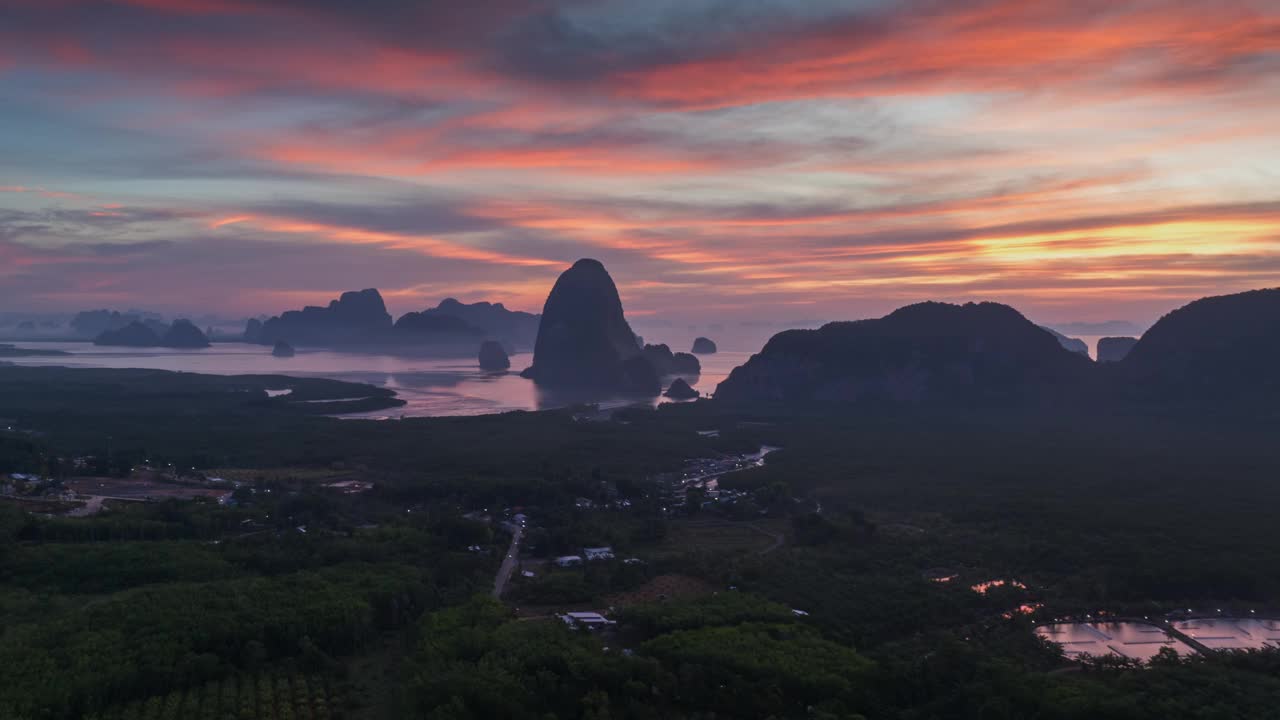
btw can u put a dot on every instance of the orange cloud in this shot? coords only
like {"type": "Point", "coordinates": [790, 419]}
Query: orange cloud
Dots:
{"type": "Point", "coordinates": [424, 244]}
{"type": "Point", "coordinates": [995, 46]}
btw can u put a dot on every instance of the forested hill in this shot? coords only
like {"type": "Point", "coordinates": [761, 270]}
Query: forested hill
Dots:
{"type": "Point", "coordinates": [925, 353]}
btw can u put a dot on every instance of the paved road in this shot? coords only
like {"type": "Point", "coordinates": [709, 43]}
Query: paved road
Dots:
{"type": "Point", "coordinates": [508, 563]}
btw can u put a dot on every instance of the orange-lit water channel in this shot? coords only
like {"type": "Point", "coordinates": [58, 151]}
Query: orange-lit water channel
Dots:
{"type": "Point", "coordinates": [1143, 640]}
{"type": "Point", "coordinates": [1133, 640]}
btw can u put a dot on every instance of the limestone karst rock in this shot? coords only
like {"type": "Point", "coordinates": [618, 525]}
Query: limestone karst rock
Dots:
{"type": "Point", "coordinates": [584, 340]}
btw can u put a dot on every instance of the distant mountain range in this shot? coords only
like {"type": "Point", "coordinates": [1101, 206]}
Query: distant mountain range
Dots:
{"type": "Point", "coordinates": [359, 320]}
{"type": "Point", "coordinates": [90, 324]}
{"type": "Point", "coordinates": [181, 334]}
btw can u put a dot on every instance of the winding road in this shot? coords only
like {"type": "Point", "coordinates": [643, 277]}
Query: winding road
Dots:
{"type": "Point", "coordinates": [509, 562]}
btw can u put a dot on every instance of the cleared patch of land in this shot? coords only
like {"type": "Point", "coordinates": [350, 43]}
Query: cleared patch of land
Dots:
{"type": "Point", "coordinates": [717, 536]}
{"type": "Point", "coordinates": [662, 587]}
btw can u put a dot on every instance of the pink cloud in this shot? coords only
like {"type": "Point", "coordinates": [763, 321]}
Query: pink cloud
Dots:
{"type": "Point", "coordinates": [57, 194]}
{"type": "Point", "coordinates": [1003, 45]}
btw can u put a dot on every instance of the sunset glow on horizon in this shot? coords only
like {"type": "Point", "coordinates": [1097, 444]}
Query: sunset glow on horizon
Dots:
{"type": "Point", "coordinates": [727, 160]}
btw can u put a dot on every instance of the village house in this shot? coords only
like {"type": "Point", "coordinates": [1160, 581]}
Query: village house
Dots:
{"type": "Point", "coordinates": [598, 553]}
{"type": "Point", "coordinates": [587, 620]}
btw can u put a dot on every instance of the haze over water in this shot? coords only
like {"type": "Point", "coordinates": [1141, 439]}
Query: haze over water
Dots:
{"type": "Point", "coordinates": [429, 386]}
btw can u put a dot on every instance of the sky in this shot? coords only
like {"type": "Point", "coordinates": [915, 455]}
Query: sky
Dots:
{"type": "Point", "coordinates": [730, 161]}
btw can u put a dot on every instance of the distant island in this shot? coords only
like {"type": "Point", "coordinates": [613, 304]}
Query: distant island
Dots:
{"type": "Point", "coordinates": [31, 329]}
{"type": "Point", "coordinates": [355, 318]}
{"type": "Point", "coordinates": [135, 334]}
{"type": "Point", "coordinates": [91, 324]}
{"type": "Point", "coordinates": [517, 329]}
{"type": "Point", "coordinates": [184, 334]}
{"type": "Point", "coordinates": [181, 334]}
{"type": "Point", "coordinates": [1115, 349]}
{"type": "Point", "coordinates": [493, 357]}
{"type": "Point", "coordinates": [359, 321]}
{"type": "Point", "coordinates": [667, 363]}
{"type": "Point", "coordinates": [704, 346]}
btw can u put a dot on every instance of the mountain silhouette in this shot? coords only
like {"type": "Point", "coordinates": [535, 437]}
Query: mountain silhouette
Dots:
{"type": "Point", "coordinates": [493, 357]}
{"type": "Point", "coordinates": [1075, 345]}
{"type": "Point", "coordinates": [680, 390]}
{"type": "Point", "coordinates": [928, 352]}
{"type": "Point", "coordinates": [703, 346]}
{"type": "Point", "coordinates": [1115, 349]}
{"type": "Point", "coordinates": [515, 328]}
{"type": "Point", "coordinates": [667, 363]}
{"type": "Point", "coordinates": [184, 334]}
{"type": "Point", "coordinates": [135, 334]}
{"type": "Point", "coordinates": [354, 318]}
{"type": "Point", "coordinates": [92, 323]}
{"type": "Point", "coordinates": [253, 331]}
{"type": "Point", "coordinates": [1222, 348]}
{"type": "Point", "coordinates": [181, 334]}
{"type": "Point", "coordinates": [430, 324]}
{"type": "Point", "coordinates": [584, 340]}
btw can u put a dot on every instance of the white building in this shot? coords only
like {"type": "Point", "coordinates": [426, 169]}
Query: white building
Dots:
{"type": "Point", "coordinates": [588, 620]}
{"type": "Point", "coordinates": [565, 561]}
{"type": "Point", "coordinates": [598, 553]}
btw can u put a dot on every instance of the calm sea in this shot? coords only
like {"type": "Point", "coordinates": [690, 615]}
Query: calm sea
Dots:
{"type": "Point", "coordinates": [430, 386]}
